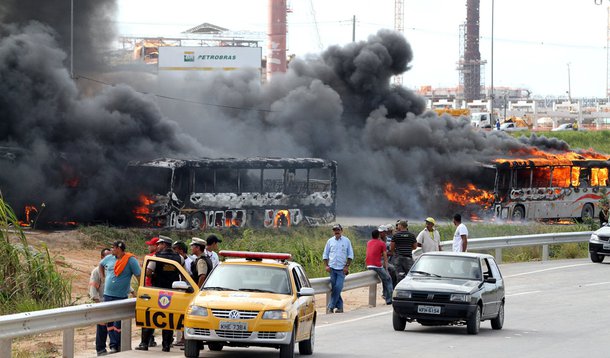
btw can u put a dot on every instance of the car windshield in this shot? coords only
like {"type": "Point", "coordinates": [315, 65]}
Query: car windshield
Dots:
{"type": "Point", "coordinates": [251, 278]}
{"type": "Point", "coordinates": [447, 266]}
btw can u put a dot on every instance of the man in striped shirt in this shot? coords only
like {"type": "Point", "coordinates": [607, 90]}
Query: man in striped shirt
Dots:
{"type": "Point", "coordinates": [403, 243]}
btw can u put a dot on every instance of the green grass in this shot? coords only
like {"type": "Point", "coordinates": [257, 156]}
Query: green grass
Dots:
{"type": "Point", "coordinates": [29, 279]}
{"type": "Point", "coordinates": [307, 244]}
{"type": "Point", "coordinates": [596, 140]}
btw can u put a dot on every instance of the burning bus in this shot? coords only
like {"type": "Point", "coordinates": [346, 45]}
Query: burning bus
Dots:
{"type": "Point", "coordinates": [260, 192]}
{"type": "Point", "coordinates": [544, 186]}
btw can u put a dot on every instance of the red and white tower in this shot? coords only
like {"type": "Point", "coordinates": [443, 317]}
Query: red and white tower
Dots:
{"type": "Point", "coordinates": [276, 56]}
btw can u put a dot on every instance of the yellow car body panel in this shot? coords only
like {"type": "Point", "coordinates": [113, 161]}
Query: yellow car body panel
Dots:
{"type": "Point", "coordinates": [240, 312]}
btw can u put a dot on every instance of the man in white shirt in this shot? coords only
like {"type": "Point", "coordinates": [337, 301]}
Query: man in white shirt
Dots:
{"type": "Point", "coordinates": [460, 238]}
{"type": "Point", "coordinates": [211, 247]}
{"type": "Point", "coordinates": [429, 238]}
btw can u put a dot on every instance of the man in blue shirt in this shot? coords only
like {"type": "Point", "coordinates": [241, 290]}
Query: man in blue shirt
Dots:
{"type": "Point", "coordinates": [338, 255]}
{"type": "Point", "coordinates": [117, 270]}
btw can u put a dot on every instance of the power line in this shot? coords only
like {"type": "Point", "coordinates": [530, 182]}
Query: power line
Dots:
{"type": "Point", "coordinates": [180, 99]}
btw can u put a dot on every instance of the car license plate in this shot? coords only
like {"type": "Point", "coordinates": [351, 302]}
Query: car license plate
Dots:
{"type": "Point", "coordinates": [429, 309]}
{"type": "Point", "coordinates": [606, 246]}
{"type": "Point", "coordinates": [234, 326]}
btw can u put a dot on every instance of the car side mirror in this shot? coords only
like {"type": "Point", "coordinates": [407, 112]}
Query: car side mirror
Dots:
{"type": "Point", "coordinates": [307, 291]}
{"type": "Point", "coordinates": [182, 285]}
{"type": "Point", "coordinates": [490, 279]}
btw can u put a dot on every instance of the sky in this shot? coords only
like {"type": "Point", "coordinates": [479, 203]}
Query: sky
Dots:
{"type": "Point", "coordinates": [547, 47]}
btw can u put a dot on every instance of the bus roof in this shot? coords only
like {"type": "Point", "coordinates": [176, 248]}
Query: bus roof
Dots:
{"type": "Point", "coordinates": [238, 163]}
{"type": "Point", "coordinates": [544, 162]}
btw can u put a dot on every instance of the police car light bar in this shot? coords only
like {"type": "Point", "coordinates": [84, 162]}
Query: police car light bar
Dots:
{"type": "Point", "coordinates": [256, 255]}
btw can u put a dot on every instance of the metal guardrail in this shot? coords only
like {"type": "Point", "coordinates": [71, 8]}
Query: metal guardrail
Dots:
{"type": "Point", "coordinates": [544, 240]}
{"type": "Point", "coordinates": [66, 319]}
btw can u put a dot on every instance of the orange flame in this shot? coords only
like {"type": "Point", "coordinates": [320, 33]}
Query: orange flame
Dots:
{"type": "Point", "coordinates": [468, 195]}
{"type": "Point", "coordinates": [30, 211]}
{"type": "Point", "coordinates": [142, 211]}
{"type": "Point", "coordinates": [282, 218]}
{"type": "Point", "coordinates": [540, 157]}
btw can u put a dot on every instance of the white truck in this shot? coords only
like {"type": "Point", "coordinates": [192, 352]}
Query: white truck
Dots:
{"type": "Point", "coordinates": [480, 119]}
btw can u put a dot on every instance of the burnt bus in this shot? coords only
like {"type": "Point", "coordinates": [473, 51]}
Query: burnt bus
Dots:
{"type": "Point", "coordinates": [549, 189]}
{"type": "Point", "coordinates": [229, 192]}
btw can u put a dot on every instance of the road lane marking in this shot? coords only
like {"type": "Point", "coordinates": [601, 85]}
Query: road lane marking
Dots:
{"type": "Point", "coordinates": [596, 284]}
{"type": "Point", "coordinates": [354, 319]}
{"type": "Point", "coordinates": [522, 293]}
{"type": "Point", "coordinates": [548, 269]}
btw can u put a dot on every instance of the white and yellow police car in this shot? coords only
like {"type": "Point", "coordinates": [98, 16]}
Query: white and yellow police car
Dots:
{"type": "Point", "coordinates": [250, 299]}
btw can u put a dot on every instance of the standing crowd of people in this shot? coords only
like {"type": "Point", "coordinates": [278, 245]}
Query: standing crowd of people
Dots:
{"type": "Point", "coordinates": [111, 281]}
{"type": "Point", "coordinates": [389, 253]}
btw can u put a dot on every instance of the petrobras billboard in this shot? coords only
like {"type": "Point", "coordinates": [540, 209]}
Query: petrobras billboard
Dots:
{"type": "Point", "coordinates": [194, 58]}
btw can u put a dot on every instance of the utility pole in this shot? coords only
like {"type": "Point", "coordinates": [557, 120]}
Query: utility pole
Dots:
{"type": "Point", "coordinates": [71, 38]}
{"type": "Point", "coordinates": [569, 84]}
{"type": "Point", "coordinates": [354, 29]}
{"type": "Point", "coordinates": [491, 115]}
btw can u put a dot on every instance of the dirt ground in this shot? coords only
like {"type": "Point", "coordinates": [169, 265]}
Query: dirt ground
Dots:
{"type": "Point", "coordinates": [76, 262]}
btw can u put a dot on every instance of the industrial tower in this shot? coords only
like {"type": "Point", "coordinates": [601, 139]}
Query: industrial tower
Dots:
{"type": "Point", "coordinates": [399, 25]}
{"type": "Point", "coordinates": [276, 55]}
{"type": "Point", "coordinates": [469, 65]}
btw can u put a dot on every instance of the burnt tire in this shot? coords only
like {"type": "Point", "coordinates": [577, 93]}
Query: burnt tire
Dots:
{"type": "Point", "coordinates": [287, 350]}
{"type": "Point", "coordinates": [191, 348]}
{"type": "Point", "coordinates": [196, 222]}
{"type": "Point", "coordinates": [473, 324]}
{"type": "Point", "coordinates": [306, 347]}
{"type": "Point", "coordinates": [595, 257]}
{"type": "Point", "coordinates": [399, 323]}
{"type": "Point", "coordinates": [587, 212]}
{"type": "Point", "coordinates": [498, 321]}
{"type": "Point", "coordinates": [215, 346]}
{"type": "Point", "coordinates": [518, 213]}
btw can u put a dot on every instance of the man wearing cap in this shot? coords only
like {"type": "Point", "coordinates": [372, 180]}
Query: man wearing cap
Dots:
{"type": "Point", "coordinates": [338, 255]}
{"type": "Point", "coordinates": [429, 239]}
{"type": "Point", "coordinates": [377, 260]}
{"type": "Point", "coordinates": [117, 269]}
{"type": "Point", "coordinates": [211, 247]}
{"type": "Point", "coordinates": [403, 243]}
{"type": "Point", "coordinates": [162, 275]}
{"type": "Point", "coordinates": [203, 265]}
{"type": "Point", "coordinates": [152, 250]}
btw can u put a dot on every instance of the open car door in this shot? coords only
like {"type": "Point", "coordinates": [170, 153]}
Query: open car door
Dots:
{"type": "Point", "coordinates": [164, 308]}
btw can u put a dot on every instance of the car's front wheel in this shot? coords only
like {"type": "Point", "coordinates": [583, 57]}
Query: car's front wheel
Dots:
{"type": "Point", "coordinates": [595, 257]}
{"type": "Point", "coordinates": [287, 350]}
{"type": "Point", "coordinates": [306, 347]}
{"type": "Point", "coordinates": [473, 324]}
{"type": "Point", "coordinates": [398, 322]}
{"type": "Point", "coordinates": [498, 322]}
{"type": "Point", "coordinates": [191, 348]}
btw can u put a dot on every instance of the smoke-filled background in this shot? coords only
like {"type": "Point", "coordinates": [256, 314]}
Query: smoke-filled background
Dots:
{"type": "Point", "coordinates": [78, 135]}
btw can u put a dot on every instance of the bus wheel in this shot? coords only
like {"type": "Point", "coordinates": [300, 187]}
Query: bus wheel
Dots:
{"type": "Point", "coordinates": [518, 213]}
{"type": "Point", "coordinates": [587, 211]}
{"type": "Point", "coordinates": [197, 222]}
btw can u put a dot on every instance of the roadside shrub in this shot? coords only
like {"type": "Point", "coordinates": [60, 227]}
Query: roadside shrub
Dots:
{"type": "Point", "coordinates": [29, 279]}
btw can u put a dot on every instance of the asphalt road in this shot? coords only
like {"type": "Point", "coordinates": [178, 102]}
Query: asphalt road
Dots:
{"type": "Point", "coordinates": [553, 309]}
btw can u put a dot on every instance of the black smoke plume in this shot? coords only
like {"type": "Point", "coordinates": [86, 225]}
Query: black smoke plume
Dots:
{"type": "Point", "coordinates": [393, 156]}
